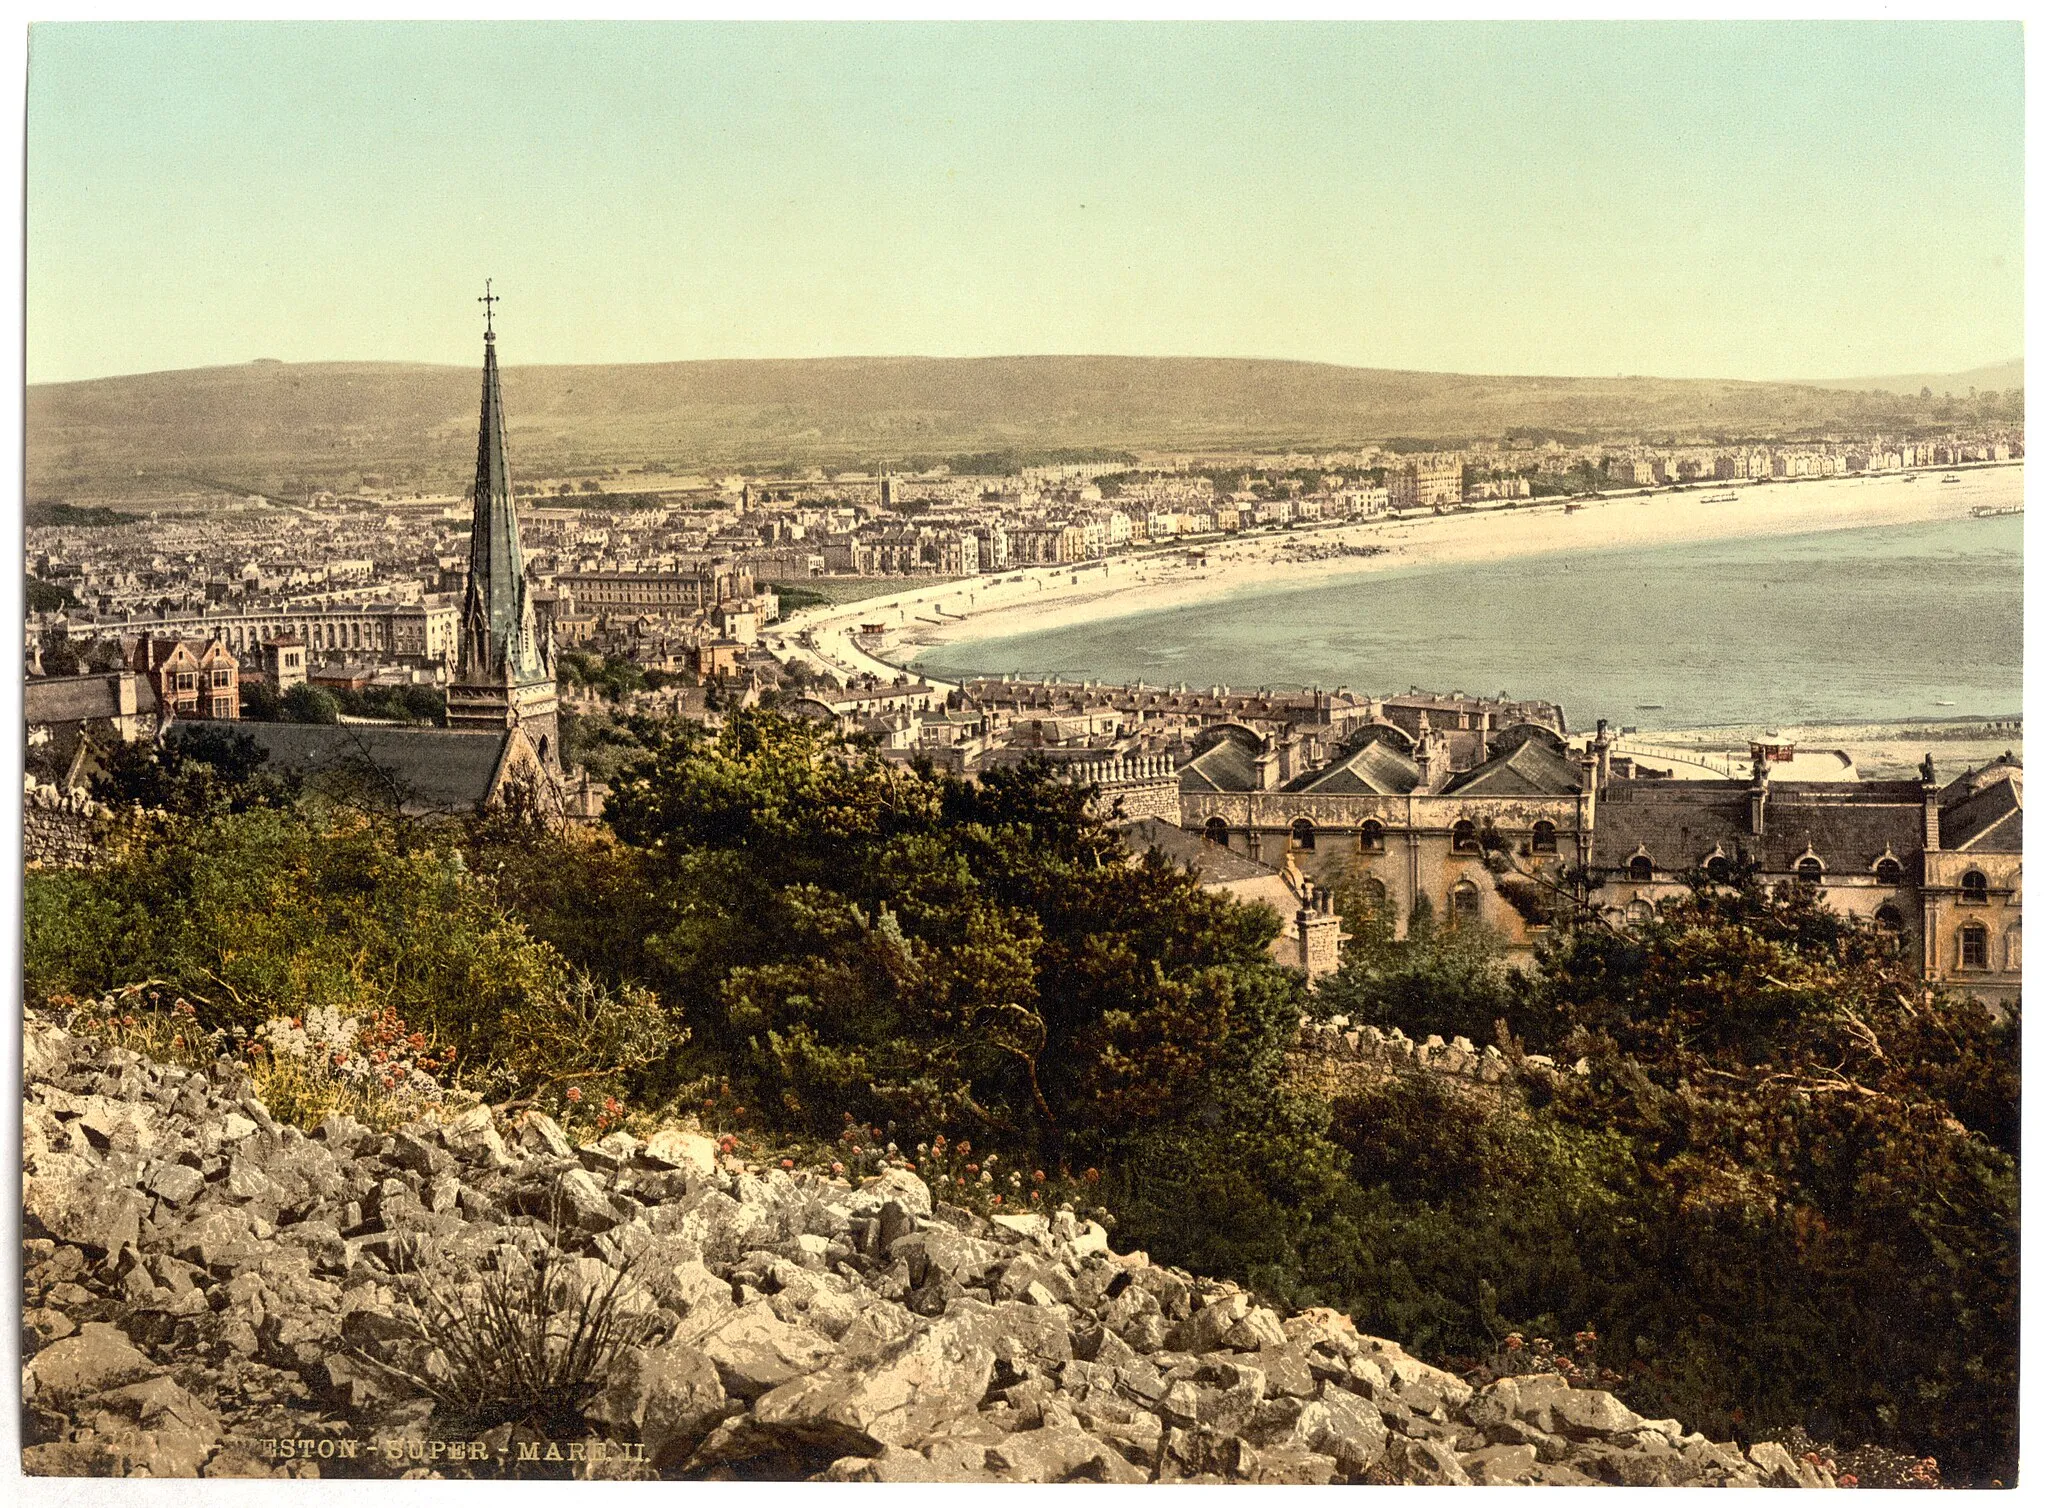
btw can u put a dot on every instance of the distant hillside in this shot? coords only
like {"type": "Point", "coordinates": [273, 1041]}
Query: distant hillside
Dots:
{"type": "Point", "coordinates": [284, 429]}
{"type": "Point", "coordinates": [1998, 377]}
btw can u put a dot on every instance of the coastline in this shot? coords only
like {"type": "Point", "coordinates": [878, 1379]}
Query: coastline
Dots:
{"type": "Point", "coordinates": [930, 614]}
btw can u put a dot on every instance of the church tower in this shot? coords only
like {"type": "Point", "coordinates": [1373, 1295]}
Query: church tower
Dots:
{"type": "Point", "coordinates": [505, 672]}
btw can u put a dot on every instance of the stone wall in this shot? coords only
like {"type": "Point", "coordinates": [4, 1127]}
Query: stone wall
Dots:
{"type": "Point", "coordinates": [61, 829]}
{"type": "Point", "coordinates": [1339, 1060]}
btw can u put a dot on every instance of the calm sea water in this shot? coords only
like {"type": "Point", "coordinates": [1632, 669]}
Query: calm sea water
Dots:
{"type": "Point", "coordinates": [1846, 625]}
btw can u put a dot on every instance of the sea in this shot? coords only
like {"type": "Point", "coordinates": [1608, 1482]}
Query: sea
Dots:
{"type": "Point", "coordinates": [1861, 625]}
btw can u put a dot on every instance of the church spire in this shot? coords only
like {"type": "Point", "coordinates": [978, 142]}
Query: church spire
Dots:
{"type": "Point", "coordinates": [505, 674]}
{"type": "Point", "coordinates": [498, 638]}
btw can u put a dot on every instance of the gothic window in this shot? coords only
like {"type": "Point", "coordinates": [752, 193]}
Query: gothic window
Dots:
{"type": "Point", "coordinates": [1543, 838]}
{"type": "Point", "coordinates": [1464, 904]}
{"type": "Point", "coordinates": [1976, 946]}
{"type": "Point", "coordinates": [1976, 889]}
{"type": "Point", "coordinates": [1217, 831]}
{"type": "Point", "coordinates": [1890, 872]}
{"type": "Point", "coordinates": [1372, 837]}
{"type": "Point", "coordinates": [1809, 870]}
{"type": "Point", "coordinates": [1304, 833]}
{"type": "Point", "coordinates": [1640, 869]}
{"type": "Point", "coordinates": [1464, 838]}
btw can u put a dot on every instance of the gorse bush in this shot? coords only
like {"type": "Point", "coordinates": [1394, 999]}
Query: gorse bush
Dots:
{"type": "Point", "coordinates": [1784, 1192]}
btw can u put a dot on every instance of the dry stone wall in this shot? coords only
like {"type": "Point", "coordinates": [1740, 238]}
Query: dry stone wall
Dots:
{"type": "Point", "coordinates": [209, 1292]}
{"type": "Point", "coordinates": [1338, 1059]}
{"type": "Point", "coordinates": [61, 829]}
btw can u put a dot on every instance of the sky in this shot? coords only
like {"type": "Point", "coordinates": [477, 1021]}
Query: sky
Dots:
{"type": "Point", "coordinates": [1741, 200]}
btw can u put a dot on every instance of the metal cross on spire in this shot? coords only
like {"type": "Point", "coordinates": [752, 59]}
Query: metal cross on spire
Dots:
{"type": "Point", "coordinates": [487, 300]}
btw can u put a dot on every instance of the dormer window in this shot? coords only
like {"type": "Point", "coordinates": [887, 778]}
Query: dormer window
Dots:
{"type": "Point", "coordinates": [1640, 869]}
{"type": "Point", "coordinates": [1976, 889]}
{"type": "Point", "coordinates": [1809, 869]}
{"type": "Point", "coordinates": [1543, 838]}
{"type": "Point", "coordinates": [1464, 838]}
{"type": "Point", "coordinates": [1719, 870]}
{"type": "Point", "coordinates": [1890, 871]}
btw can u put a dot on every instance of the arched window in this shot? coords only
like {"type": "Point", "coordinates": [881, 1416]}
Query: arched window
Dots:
{"type": "Point", "coordinates": [1464, 838]}
{"type": "Point", "coordinates": [1641, 913]}
{"type": "Point", "coordinates": [1976, 946]}
{"type": "Point", "coordinates": [1889, 921]}
{"type": "Point", "coordinates": [1719, 870]}
{"type": "Point", "coordinates": [1809, 870]}
{"type": "Point", "coordinates": [2012, 948]}
{"type": "Point", "coordinates": [1976, 889]}
{"type": "Point", "coordinates": [1640, 869]}
{"type": "Point", "coordinates": [1374, 896]}
{"type": "Point", "coordinates": [543, 749]}
{"type": "Point", "coordinates": [1543, 838]}
{"type": "Point", "coordinates": [1304, 833]}
{"type": "Point", "coordinates": [1890, 872]}
{"type": "Point", "coordinates": [1217, 831]}
{"type": "Point", "coordinates": [1372, 837]}
{"type": "Point", "coordinates": [1464, 904]}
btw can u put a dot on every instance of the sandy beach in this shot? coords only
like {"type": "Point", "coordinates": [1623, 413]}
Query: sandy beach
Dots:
{"type": "Point", "coordinates": [1048, 597]}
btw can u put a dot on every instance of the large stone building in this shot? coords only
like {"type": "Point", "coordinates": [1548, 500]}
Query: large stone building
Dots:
{"type": "Point", "coordinates": [415, 633]}
{"type": "Point", "coordinates": [1505, 829]}
{"type": "Point", "coordinates": [654, 594]}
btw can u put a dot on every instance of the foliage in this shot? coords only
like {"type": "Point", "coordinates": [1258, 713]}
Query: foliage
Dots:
{"type": "Point", "coordinates": [207, 769]}
{"type": "Point", "coordinates": [265, 913]}
{"type": "Point", "coordinates": [529, 1343]}
{"type": "Point", "coordinates": [852, 936]}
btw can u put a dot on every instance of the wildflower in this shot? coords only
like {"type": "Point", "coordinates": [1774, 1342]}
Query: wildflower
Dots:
{"type": "Point", "coordinates": [1847, 1479]}
{"type": "Point", "coordinates": [1513, 1342]}
{"type": "Point", "coordinates": [787, 1164]}
{"type": "Point", "coordinates": [1093, 1176]}
{"type": "Point", "coordinates": [838, 1170]}
{"type": "Point", "coordinates": [964, 1149]}
{"type": "Point", "coordinates": [1035, 1196]}
{"type": "Point", "coordinates": [973, 1168]}
{"type": "Point", "coordinates": [177, 1041]}
{"type": "Point", "coordinates": [575, 1095]}
{"type": "Point", "coordinates": [711, 1104]}
{"type": "Point", "coordinates": [611, 1104]}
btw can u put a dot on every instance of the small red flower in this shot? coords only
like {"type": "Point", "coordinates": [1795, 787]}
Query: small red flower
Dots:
{"type": "Point", "coordinates": [575, 1095]}
{"type": "Point", "coordinates": [786, 1163]}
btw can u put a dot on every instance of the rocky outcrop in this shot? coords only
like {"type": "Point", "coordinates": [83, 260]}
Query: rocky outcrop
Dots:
{"type": "Point", "coordinates": [1338, 1058]}
{"type": "Point", "coordinates": [210, 1292]}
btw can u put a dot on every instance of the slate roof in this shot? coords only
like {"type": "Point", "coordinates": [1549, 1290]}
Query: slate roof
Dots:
{"type": "Point", "coordinates": [434, 769]}
{"type": "Point", "coordinates": [80, 698]}
{"type": "Point", "coordinates": [1373, 769]}
{"type": "Point", "coordinates": [1215, 864]}
{"type": "Point", "coordinates": [1986, 816]}
{"type": "Point", "coordinates": [1679, 823]}
{"type": "Point", "coordinates": [1532, 768]}
{"type": "Point", "coordinates": [1225, 765]}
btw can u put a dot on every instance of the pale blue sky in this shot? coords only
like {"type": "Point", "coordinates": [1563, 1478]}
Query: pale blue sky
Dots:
{"type": "Point", "coordinates": [1740, 200]}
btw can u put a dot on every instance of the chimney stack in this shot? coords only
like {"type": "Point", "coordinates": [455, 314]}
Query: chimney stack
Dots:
{"type": "Point", "coordinates": [1930, 807]}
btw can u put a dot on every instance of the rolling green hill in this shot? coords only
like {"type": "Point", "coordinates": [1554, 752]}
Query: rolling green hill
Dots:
{"type": "Point", "coordinates": [284, 430]}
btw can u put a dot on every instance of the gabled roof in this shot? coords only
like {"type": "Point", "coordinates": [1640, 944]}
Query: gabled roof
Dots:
{"type": "Point", "coordinates": [1986, 818]}
{"type": "Point", "coordinates": [80, 698]}
{"type": "Point", "coordinates": [1529, 769]}
{"type": "Point", "coordinates": [425, 769]}
{"type": "Point", "coordinates": [1225, 765]}
{"type": "Point", "coordinates": [1374, 769]}
{"type": "Point", "coordinates": [1215, 864]}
